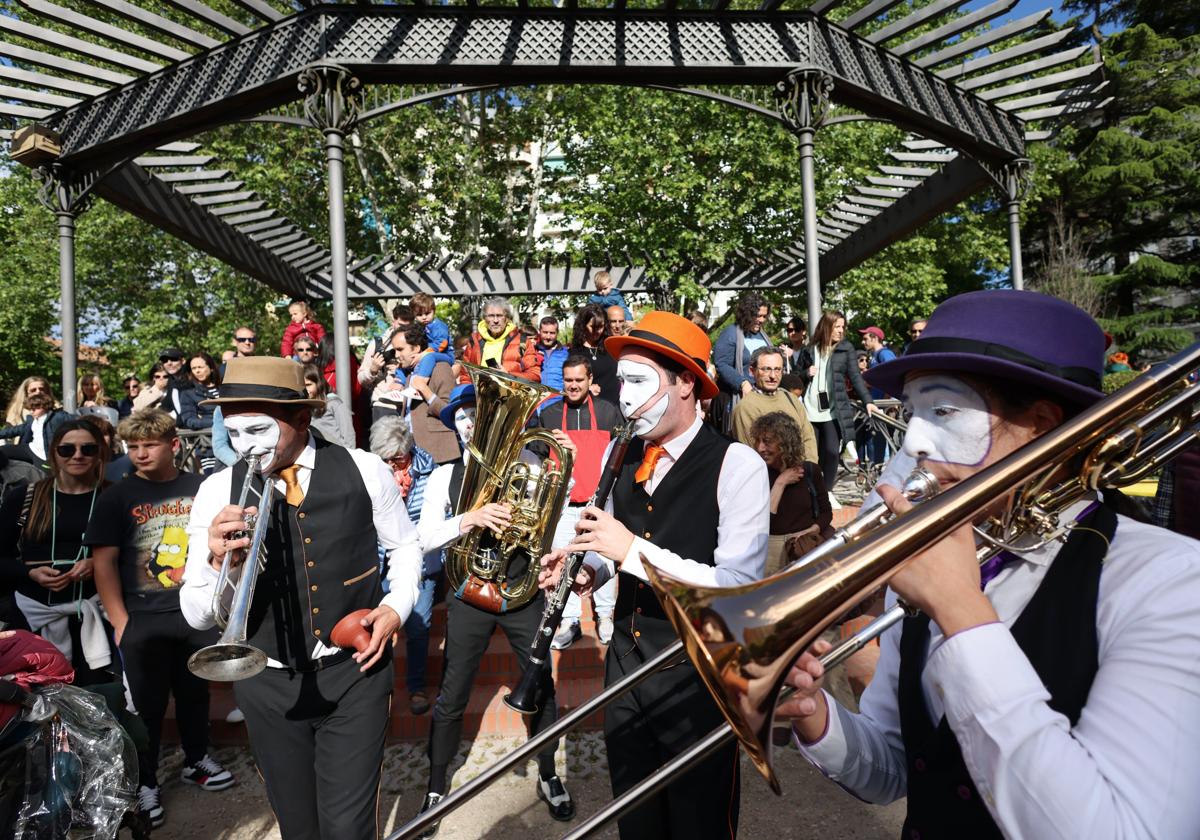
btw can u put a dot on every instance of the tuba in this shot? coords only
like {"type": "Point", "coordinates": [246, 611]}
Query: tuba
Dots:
{"type": "Point", "coordinates": [499, 572]}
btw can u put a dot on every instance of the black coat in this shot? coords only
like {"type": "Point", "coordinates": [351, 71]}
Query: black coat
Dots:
{"type": "Point", "coordinates": [843, 366]}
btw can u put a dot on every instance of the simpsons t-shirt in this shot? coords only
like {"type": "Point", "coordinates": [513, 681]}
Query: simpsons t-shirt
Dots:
{"type": "Point", "coordinates": [148, 521]}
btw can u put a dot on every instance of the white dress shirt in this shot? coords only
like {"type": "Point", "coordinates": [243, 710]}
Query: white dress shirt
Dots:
{"type": "Point", "coordinates": [437, 527]}
{"type": "Point", "coordinates": [392, 525]}
{"type": "Point", "coordinates": [743, 497]}
{"type": "Point", "coordinates": [1129, 768]}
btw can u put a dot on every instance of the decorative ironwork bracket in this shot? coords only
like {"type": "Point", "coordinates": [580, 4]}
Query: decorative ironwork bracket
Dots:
{"type": "Point", "coordinates": [1015, 178]}
{"type": "Point", "coordinates": [332, 97]}
{"type": "Point", "coordinates": [804, 98]}
{"type": "Point", "coordinates": [64, 191]}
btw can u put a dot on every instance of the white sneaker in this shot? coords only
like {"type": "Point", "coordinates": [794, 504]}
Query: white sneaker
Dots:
{"type": "Point", "coordinates": [834, 504]}
{"type": "Point", "coordinates": [150, 804]}
{"type": "Point", "coordinates": [566, 636]}
{"type": "Point", "coordinates": [207, 774]}
{"type": "Point", "coordinates": [235, 716]}
{"type": "Point", "coordinates": [604, 629]}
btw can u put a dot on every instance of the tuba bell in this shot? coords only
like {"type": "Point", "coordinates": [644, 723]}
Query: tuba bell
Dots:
{"type": "Point", "coordinates": [499, 572]}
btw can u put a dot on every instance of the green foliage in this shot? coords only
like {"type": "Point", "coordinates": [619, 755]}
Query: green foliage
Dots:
{"type": "Point", "coordinates": [1115, 381]}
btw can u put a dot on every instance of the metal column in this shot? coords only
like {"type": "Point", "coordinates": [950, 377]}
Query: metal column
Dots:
{"type": "Point", "coordinates": [66, 283]}
{"type": "Point", "coordinates": [803, 101]}
{"type": "Point", "coordinates": [331, 104]}
{"type": "Point", "coordinates": [1016, 181]}
{"type": "Point", "coordinates": [66, 196]}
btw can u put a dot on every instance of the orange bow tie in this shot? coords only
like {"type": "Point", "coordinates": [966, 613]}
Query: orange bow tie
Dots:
{"type": "Point", "coordinates": [649, 459]}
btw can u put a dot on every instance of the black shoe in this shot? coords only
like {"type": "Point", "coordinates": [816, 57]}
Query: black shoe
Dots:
{"type": "Point", "coordinates": [431, 799]}
{"type": "Point", "coordinates": [558, 801]}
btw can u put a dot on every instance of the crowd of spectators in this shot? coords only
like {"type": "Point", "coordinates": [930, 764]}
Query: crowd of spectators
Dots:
{"type": "Point", "coordinates": [790, 398]}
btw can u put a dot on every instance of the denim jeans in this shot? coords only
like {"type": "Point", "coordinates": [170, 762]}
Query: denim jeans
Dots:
{"type": "Point", "coordinates": [416, 635]}
{"type": "Point", "coordinates": [604, 599]}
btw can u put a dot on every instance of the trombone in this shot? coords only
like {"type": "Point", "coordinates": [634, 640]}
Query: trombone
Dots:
{"type": "Point", "coordinates": [231, 657]}
{"type": "Point", "coordinates": [743, 640]}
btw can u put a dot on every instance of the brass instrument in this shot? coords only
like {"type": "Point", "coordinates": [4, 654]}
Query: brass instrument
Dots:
{"type": "Point", "coordinates": [1154, 418]}
{"type": "Point", "coordinates": [231, 657]}
{"type": "Point", "coordinates": [478, 564]}
{"type": "Point", "coordinates": [743, 640]}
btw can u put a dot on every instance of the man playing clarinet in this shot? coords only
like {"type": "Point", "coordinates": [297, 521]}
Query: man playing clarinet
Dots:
{"type": "Point", "coordinates": [697, 506]}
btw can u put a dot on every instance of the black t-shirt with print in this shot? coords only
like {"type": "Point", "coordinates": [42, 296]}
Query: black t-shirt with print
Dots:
{"type": "Point", "coordinates": [148, 521]}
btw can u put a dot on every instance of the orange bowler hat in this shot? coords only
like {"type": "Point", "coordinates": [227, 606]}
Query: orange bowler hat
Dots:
{"type": "Point", "coordinates": [676, 338]}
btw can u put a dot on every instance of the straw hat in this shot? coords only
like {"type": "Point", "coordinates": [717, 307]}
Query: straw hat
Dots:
{"type": "Point", "coordinates": [263, 379]}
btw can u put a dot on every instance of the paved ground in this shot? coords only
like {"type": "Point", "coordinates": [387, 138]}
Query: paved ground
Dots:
{"type": "Point", "coordinates": [811, 806]}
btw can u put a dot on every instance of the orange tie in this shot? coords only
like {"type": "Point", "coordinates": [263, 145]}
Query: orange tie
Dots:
{"type": "Point", "coordinates": [290, 476]}
{"type": "Point", "coordinates": [649, 459]}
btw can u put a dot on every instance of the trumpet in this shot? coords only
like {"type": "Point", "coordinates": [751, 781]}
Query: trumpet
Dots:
{"type": "Point", "coordinates": [231, 657]}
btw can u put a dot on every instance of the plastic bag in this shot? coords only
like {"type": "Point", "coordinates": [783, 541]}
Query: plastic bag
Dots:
{"type": "Point", "coordinates": [67, 769]}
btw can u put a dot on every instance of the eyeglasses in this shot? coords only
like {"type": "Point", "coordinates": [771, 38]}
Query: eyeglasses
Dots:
{"type": "Point", "coordinates": [305, 349]}
{"type": "Point", "coordinates": [165, 359]}
{"type": "Point", "coordinates": [246, 339]}
{"type": "Point", "coordinates": [67, 450]}
{"type": "Point", "coordinates": [129, 385]}
{"type": "Point", "coordinates": [160, 376]}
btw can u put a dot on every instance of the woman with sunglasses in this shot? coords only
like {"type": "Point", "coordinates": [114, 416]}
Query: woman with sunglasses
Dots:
{"type": "Point", "coordinates": [158, 393]}
{"type": "Point", "coordinates": [42, 555]}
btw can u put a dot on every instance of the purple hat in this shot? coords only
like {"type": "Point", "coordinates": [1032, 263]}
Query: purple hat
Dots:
{"type": "Point", "coordinates": [1034, 338]}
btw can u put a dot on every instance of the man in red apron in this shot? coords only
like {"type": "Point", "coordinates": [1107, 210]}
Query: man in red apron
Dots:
{"type": "Point", "coordinates": [589, 422]}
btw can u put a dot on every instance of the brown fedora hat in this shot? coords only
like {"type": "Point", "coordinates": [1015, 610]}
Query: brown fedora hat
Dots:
{"type": "Point", "coordinates": [263, 379]}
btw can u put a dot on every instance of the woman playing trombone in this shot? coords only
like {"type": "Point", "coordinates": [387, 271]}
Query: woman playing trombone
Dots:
{"type": "Point", "coordinates": [1051, 692]}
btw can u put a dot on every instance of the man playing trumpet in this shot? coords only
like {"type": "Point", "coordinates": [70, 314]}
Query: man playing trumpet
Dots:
{"type": "Point", "coordinates": [317, 715]}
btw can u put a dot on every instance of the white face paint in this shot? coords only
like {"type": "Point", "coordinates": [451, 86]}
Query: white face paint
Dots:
{"type": "Point", "coordinates": [464, 423]}
{"type": "Point", "coordinates": [950, 421]}
{"type": "Point", "coordinates": [640, 385]}
{"type": "Point", "coordinates": [254, 434]}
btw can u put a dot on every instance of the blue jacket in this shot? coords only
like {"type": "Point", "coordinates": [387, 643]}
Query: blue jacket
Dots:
{"type": "Point", "coordinates": [613, 298]}
{"type": "Point", "coordinates": [192, 415]}
{"type": "Point", "coordinates": [24, 431]}
{"type": "Point", "coordinates": [222, 448]}
{"type": "Point", "coordinates": [552, 365]}
{"type": "Point", "coordinates": [724, 353]}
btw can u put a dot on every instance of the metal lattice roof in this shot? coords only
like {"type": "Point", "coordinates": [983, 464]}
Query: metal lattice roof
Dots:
{"type": "Point", "coordinates": [972, 89]}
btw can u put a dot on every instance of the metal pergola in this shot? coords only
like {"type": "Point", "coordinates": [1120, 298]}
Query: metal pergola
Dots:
{"type": "Point", "coordinates": [109, 110]}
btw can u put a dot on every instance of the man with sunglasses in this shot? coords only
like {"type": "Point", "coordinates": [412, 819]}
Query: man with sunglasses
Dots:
{"type": "Point", "coordinates": [245, 342]}
{"type": "Point", "coordinates": [139, 540]}
{"type": "Point", "coordinates": [172, 359]}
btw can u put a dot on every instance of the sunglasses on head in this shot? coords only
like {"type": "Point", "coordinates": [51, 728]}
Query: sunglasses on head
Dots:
{"type": "Point", "coordinates": [246, 339]}
{"type": "Point", "coordinates": [67, 450]}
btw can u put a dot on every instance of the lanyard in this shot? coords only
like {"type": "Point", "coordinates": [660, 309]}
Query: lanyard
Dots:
{"type": "Point", "coordinates": [54, 561]}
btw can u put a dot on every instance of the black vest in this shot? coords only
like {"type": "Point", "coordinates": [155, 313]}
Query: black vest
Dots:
{"type": "Point", "coordinates": [1056, 631]}
{"type": "Point", "coordinates": [321, 563]}
{"type": "Point", "coordinates": [681, 516]}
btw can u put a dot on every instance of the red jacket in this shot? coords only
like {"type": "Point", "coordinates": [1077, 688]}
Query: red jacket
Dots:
{"type": "Point", "coordinates": [310, 328]}
{"type": "Point", "coordinates": [523, 361]}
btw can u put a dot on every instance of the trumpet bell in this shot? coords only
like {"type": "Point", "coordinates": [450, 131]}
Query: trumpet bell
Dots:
{"type": "Point", "coordinates": [227, 662]}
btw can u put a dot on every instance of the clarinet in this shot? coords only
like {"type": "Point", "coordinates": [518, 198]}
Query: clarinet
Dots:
{"type": "Point", "coordinates": [522, 699]}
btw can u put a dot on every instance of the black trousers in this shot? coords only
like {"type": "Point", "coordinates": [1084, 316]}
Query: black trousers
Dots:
{"type": "Point", "coordinates": [829, 450]}
{"type": "Point", "coordinates": [318, 739]}
{"type": "Point", "coordinates": [154, 650]}
{"type": "Point", "coordinates": [648, 726]}
{"type": "Point", "coordinates": [468, 631]}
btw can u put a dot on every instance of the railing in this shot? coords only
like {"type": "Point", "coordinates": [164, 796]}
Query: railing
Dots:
{"type": "Point", "coordinates": [888, 422]}
{"type": "Point", "coordinates": [191, 443]}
